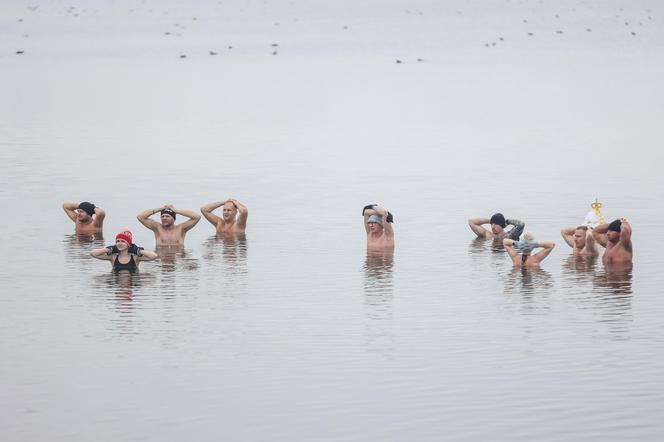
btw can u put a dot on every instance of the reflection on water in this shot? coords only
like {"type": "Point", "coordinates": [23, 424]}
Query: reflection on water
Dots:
{"type": "Point", "coordinates": [530, 282]}
{"type": "Point", "coordinates": [77, 246]}
{"type": "Point", "coordinates": [378, 300]}
{"type": "Point", "coordinates": [228, 253]}
{"type": "Point", "coordinates": [613, 293]}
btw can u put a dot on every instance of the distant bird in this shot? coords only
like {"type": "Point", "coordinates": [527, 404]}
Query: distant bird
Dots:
{"type": "Point", "coordinates": [275, 52]}
{"type": "Point", "coordinates": [20, 19]}
{"type": "Point", "coordinates": [167, 33]}
{"type": "Point", "coordinates": [398, 61]}
{"type": "Point", "coordinates": [19, 52]}
{"type": "Point", "coordinates": [419, 59]}
{"type": "Point", "coordinates": [588, 30]}
{"type": "Point", "coordinates": [501, 39]}
{"type": "Point", "coordinates": [230, 47]}
{"type": "Point", "coordinates": [633, 33]}
{"type": "Point", "coordinates": [274, 45]}
{"type": "Point", "coordinates": [33, 8]}
{"type": "Point", "coordinates": [345, 28]}
{"type": "Point", "coordinates": [530, 34]}
{"type": "Point", "coordinates": [183, 56]}
{"type": "Point", "coordinates": [213, 53]}
{"type": "Point", "coordinates": [525, 21]}
{"type": "Point", "coordinates": [559, 32]}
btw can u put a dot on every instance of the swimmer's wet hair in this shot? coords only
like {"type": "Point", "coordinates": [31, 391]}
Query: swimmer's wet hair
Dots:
{"type": "Point", "coordinates": [584, 228]}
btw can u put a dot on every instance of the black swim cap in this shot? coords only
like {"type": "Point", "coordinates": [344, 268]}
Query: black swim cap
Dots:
{"type": "Point", "coordinates": [168, 211]}
{"type": "Point", "coordinates": [499, 219]}
{"type": "Point", "coordinates": [615, 226]}
{"type": "Point", "coordinates": [87, 207]}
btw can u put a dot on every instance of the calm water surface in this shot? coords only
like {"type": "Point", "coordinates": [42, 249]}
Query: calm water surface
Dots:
{"type": "Point", "coordinates": [294, 331]}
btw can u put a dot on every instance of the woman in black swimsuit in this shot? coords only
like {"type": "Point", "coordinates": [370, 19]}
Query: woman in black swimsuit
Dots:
{"type": "Point", "coordinates": [124, 255]}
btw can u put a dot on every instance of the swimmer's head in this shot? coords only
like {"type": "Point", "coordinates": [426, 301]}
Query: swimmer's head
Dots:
{"type": "Point", "coordinates": [123, 239]}
{"type": "Point", "coordinates": [580, 237]}
{"type": "Point", "coordinates": [85, 211]}
{"type": "Point", "coordinates": [498, 223]}
{"type": "Point", "coordinates": [230, 211]}
{"type": "Point", "coordinates": [375, 222]}
{"type": "Point", "coordinates": [613, 234]}
{"type": "Point", "coordinates": [167, 217]}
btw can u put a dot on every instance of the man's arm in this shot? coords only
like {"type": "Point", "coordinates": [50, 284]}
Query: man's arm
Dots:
{"type": "Point", "coordinates": [625, 234]}
{"type": "Point", "coordinates": [476, 226]}
{"type": "Point", "coordinates": [243, 213]}
{"type": "Point", "coordinates": [517, 228]}
{"type": "Point", "coordinates": [387, 227]}
{"type": "Point", "coordinates": [509, 246]}
{"type": "Point", "coordinates": [194, 218]}
{"type": "Point", "coordinates": [590, 241]}
{"type": "Point", "coordinates": [70, 210]}
{"type": "Point", "coordinates": [100, 214]}
{"type": "Point", "coordinates": [367, 211]}
{"type": "Point", "coordinates": [207, 212]}
{"type": "Point", "coordinates": [568, 236]}
{"type": "Point", "coordinates": [144, 218]}
{"type": "Point", "coordinates": [599, 233]}
{"type": "Point", "coordinates": [547, 247]}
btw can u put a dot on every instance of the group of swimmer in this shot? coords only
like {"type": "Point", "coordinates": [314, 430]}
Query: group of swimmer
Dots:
{"type": "Point", "coordinates": [615, 237]}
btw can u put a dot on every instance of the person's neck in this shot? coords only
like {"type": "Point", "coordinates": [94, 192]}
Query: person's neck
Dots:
{"type": "Point", "coordinates": [89, 220]}
{"type": "Point", "coordinates": [170, 227]}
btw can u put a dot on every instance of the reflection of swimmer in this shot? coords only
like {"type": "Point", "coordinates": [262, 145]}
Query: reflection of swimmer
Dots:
{"type": "Point", "coordinates": [521, 251]}
{"type": "Point", "coordinates": [88, 218]}
{"type": "Point", "coordinates": [579, 264]}
{"type": "Point", "coordinates": [378, 225]}
{"type": "Point", "coordinates": [617, 238]}
{"type": "Point", "coordinates": [378, 265]}
{"type": "Point", "coordinates": [581, 240]}
{"type": "Point", "coordinates": [498, 225]}
{"type": "Point", "coordinates": [616, 277]}
{"type": "Point", "coordinates": [169, 233]}
{"type": "Point", "coordinates": [124, 255]}
{"type": "Point", "coordinates": [234, 217]}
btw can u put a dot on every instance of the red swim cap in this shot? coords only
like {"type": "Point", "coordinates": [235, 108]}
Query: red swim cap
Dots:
{"type": "Point", "coordinates": [126, 236]}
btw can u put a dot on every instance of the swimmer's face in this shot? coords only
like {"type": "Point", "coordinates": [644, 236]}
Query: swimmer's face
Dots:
{"type": "Point", "coordinates": [82, 215]}
{"type": "Point", "coordinates": [579, 238]}
{"type": "Point", "coordinates": [121, 244]}
{"type": "Point", "coordinates": [612, 236]}
{"type": "Point", "coordinates": [229, 211]}
{"type": "Point", "coordinates": [496, 229]}
{"type": "Point", "coordinates": [375, 227]}
{"type": "Point", "coordinates": [166, 220]}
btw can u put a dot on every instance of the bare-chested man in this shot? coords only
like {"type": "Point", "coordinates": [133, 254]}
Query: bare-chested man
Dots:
{"type": "Point", "coordinates": [168, 233]}
{"type": "Point", "coordinates": [498, 225]}
{"type": "Point", "coordinates": [377, 223]}
{"type": "Point", "coordinates": [89, 219]}
{"type": "Point", "coordinates": [233, 220]}
{"type": "Point", "coordinates": [581, 240]}
{"type": "Point", "coordinates": [617, 238]}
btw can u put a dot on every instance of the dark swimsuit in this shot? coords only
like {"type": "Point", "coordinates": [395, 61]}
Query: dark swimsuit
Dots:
{"type": "Point", "coordinates": [131, 265]}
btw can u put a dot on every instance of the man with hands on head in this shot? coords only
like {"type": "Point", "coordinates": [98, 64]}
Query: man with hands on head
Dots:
{"type": "Point", "coordinates": [87, 217]}
{"type": "Point", "coordinates": [617, 238]}
{"type": "Point", "coordinates": [498, 224]}
{"type": "Point", "coordinates": [167, 233]}
{"type": "Point", "coordinates": [377, 223]}
{"type": "Point", "coordinates": [233, 219]}
{"type": "Point", "coordinates": [581, 240]}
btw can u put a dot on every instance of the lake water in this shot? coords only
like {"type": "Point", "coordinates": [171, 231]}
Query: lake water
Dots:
{"type": "Point", "coordinates": [294, 332]}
